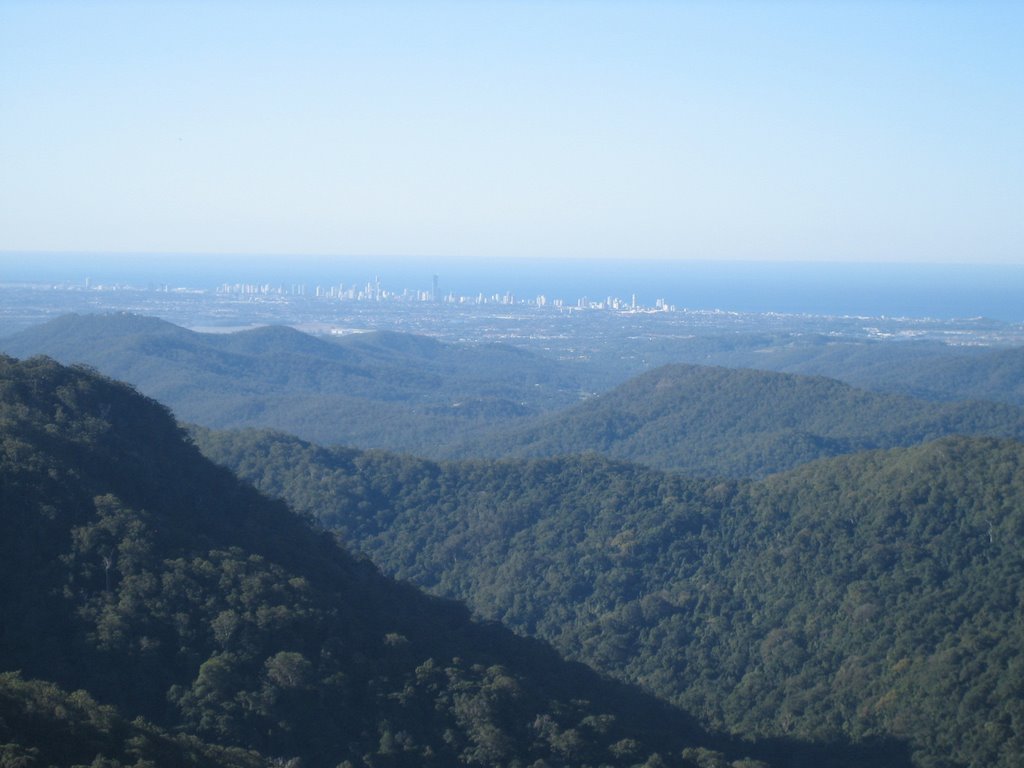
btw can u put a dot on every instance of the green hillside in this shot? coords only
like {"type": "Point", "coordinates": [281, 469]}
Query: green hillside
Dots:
{"type": "Point", "coordinates": [162, 613]}
{"type": "Point", "coordinates": [741, 423]}
{"type": "Point", "coordinates": [870, 596]}
{"type": "Point", "coordinates": [927, 369]}
{"type": "Point", "coordinates": [43, 725]}
{"type": "Point", "coordinates": [413, 394]}
{"type": "Point", "coordinates": [930, 369]}
{"type": "Point", "coordinates": [996, 375]}
{"type": "Point", "coordinates": [378, 390]}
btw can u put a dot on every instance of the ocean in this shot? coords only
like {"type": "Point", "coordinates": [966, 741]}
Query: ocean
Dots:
{"type": "Point", "coordinates": [942, 291]}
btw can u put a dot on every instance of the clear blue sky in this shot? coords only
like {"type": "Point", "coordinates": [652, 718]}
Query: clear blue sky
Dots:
{"type": "Point", "coordinates": [867, 131]}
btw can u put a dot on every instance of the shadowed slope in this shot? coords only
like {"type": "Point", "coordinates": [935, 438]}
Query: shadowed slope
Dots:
{"type": "Point", "coordinates": [135, 569]}
{"type": "Point", "coordinates": [878, 594]}
{"type": "Point", "coordinates": [733, 422]}
{"type": "Point", "coordinates": [379, 389]}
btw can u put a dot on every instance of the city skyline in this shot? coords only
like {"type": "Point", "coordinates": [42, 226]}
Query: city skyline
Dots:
{"type": "Point", "coordinates": [895, 290]}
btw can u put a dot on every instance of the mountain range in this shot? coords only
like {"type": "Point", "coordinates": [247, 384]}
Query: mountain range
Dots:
{"type": "Point", "coordinates": [412, 394]}
{"type": "Point", "coordinates": [158, 611]}
{"type": "Point", "coordinates": [877, 595]}
{"type": "Point", "coordinates": [776, 569]}
{"type": "Point", "coordinates": [377, 389]}
{"type": "Point", "coordinates": [709, 421]}
{"type": "Point", "coordinates": [930, 370]}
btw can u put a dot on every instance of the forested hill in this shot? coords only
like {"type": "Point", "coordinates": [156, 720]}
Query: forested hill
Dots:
{"type": "Point", "coordinates": [996, 375]}
{"type": "Point", "coordinates": [375, 390]}
{"type": "Point", "coordinates": [931, 370]}
{"type": "Point", "coordinates": [416, 395]}
{"type": "Point", "coordinates": [161, 612]}
{"type": "Point", "coordinates": [879, 594]}
{"type": "Point", "coordinates": [741, 423]}
{"type": "Point", "coordinates": [927, 369]}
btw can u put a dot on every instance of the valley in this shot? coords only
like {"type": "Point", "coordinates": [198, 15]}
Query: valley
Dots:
{"type": "Point", "coordinates": [773, 567]}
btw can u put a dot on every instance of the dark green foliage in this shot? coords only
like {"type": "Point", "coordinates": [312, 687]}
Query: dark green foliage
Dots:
{"type": "Point", "coordinates": [743, 423]}
{"type": "Point", "coordinates": [869, 596]}
{"type": "Point", "coordinates": [382, 389]}
{"type": "Point", "coordinates": [416, 395]}
{"type": "Point", "coordinates": [924, 369]}
{"type": "Point", "coordinates": [931, 370]}
{"type": "Point", "coordinates": [136, 570]}
{"type": "Point", "coordinates": [41, 725]}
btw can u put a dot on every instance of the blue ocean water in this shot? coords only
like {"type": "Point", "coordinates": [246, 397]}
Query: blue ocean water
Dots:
{"type": "Point", "coordinates": [894, 290]}
{"type": "Point", "coordinates": [944, 291]}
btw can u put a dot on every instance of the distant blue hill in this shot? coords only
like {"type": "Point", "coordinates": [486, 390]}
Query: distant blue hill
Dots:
{"type": "Point", "coordinates": [715, 421]}
{"type": "Point", "coordinates": [373, 390]}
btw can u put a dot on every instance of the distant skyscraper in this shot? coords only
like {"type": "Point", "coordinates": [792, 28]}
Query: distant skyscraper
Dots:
{"type": "Point", "coordinates": [434, 294]}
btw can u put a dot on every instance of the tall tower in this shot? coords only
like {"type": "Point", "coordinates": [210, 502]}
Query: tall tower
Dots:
{"type": "Point", "coordinates": [434, 294]}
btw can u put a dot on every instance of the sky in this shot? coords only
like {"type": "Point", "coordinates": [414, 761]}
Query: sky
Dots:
{"type": "Point", "coordinates": [861, 131]}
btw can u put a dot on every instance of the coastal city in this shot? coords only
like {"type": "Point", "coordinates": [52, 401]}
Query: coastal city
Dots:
{"type": "Point", "coordinates": [375, 291]}
{"type": "Point", "coordinates": [627, 332]}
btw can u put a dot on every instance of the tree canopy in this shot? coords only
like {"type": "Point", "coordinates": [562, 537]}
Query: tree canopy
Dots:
{"type": "Point", "coordinates": [871, 596]}
{"type": "Point", "coordinates": [162, 612]}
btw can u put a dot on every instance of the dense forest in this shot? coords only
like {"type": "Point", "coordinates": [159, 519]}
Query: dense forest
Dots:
{"type": "Point", "coordinates": [155, 610]}
{"type": "Point", "coordinates": [864, 609]}
{"type": "Point", "coordinates": [161, 358]}
{"type": "Point", "coordinates": [413, 394]}
{"type": "Point", "coordinates": [930, 370]}
{"type": "Point", "coordinates": [375, 390]}
{"type": "Point", "coordinates": [874, 595]}
{"type": "Point", "coordinates": [710, 421]}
